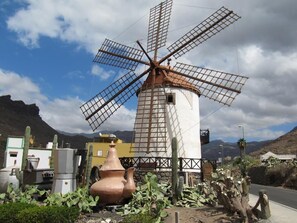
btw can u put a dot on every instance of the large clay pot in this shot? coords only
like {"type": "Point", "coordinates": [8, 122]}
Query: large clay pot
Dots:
{"type": "Point", "coordinates": [110, 187]}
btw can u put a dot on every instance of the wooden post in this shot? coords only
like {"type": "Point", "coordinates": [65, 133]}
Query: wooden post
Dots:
{"type": "Point", "coordinates": [176, 216]}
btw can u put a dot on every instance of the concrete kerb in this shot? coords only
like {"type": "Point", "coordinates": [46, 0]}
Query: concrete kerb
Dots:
{"type": "Point", "coordinates": [279, 213]}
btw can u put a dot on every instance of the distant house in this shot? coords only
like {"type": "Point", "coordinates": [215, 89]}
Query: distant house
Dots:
{"type": "Point", "coordinates": [283, 157]}
{"type": "Point", "coordinates": [14, 153]}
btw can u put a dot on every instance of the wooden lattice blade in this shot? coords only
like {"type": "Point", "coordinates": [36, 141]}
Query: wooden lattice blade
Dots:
{"type": "Point", "coordinates": [93, 111]}
{"type": "Point", "coordinates": [216, 85]}
{"type": "Point", "coordinates": [151, 139]}
{"type": "Point", "coordinates": [216, 22]}
{"type": "Point", "coordinates": [158, 25]}
{"type": "Point", "coordinates": [118, 55]}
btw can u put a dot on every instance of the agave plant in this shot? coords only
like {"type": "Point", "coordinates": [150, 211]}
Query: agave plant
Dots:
{"type": "Point", "coordinates": [149, 198]}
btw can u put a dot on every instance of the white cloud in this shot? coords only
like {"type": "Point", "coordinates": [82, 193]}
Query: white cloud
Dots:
{"type": "Point", "coordinates": [83, 22]}
{"type": "Point", "coordinates": [60, 113]}
{"type": "Point", "coordinates": [20, 87]}
{"type": "Point", "coordinates": [261, 45]}
{"type": "Point", "coordinates": [122, 119]}
{"type": "Point", "coordinates": [101, 73]}
{"type": "Point", "coordinates": [268, 98]}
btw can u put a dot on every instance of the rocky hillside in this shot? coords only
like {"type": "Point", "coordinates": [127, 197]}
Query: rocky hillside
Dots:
{"type": "Point", "coordinates": [16, 115]}
{"type": "Point", "coordinates": [285, 144]}
{"type": "Point", "coordinates": [214, 149]}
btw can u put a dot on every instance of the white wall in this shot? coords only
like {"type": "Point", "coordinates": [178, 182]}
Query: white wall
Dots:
{"type": "Point", "coordinates": [15, 142]}
{"type": "Point", "coordinates": [14, 153]}
{"type": "Point", "coordinates": [43, 154]}
{"type": "Point", "coordinates": [182, 122]}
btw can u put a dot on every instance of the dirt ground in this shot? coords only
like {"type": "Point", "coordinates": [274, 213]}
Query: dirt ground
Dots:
{"type": "Point", "coordinates": [200, 215]}
{"type": "Point", "coordinates": [185, 215]}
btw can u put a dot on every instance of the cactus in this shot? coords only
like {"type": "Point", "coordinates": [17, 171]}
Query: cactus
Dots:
{"type": "Point", "coordinates": [180, 187]}
{"type": "Point", "coordinates": [26, 147]}
{"type": "Point", "coordinates": [55, 143]}
{"type": "Point", "coordinates": [89, 165]}
{"type": "Point", "coordinates": [174, 170]}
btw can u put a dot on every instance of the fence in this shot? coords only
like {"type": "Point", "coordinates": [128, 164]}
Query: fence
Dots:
{"type": "Point", "coordinates": [164, 163]}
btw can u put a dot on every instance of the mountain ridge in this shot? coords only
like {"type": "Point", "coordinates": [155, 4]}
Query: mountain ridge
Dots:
{"type": "Point", "coordinates": [16, 115]}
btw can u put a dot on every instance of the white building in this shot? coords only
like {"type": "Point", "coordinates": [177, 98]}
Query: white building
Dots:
{"type": "Point", "coordinates": [283, 157]}
{"type": "Point", "coordinates": [14, 153]}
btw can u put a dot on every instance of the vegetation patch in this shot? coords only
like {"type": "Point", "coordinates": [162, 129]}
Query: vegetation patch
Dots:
{"type": "Point", "coordinates": [149, 201]}
{"type": "Point", "coordinates": [45, 214]}
{"type": "Point", "coordinates": [79, 198]}
{"type": "Point", "coordinates": [9, 211]}
{"type": "Point", "coordinates": [275, 172]}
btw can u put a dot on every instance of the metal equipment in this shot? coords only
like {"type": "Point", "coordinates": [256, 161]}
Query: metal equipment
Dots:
{"type": "Point", "coordinates": [65, 169]}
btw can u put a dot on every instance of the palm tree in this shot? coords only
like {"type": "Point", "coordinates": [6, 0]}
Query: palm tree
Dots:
{"type": "Point", "coordinates": [241, 144]}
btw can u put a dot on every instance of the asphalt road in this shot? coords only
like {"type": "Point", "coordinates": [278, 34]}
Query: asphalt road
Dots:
{"type": "Point", "coordinates": [278, 194]}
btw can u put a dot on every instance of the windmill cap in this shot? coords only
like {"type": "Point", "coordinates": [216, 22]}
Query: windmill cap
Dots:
{"type": "Point", "coordinates": [165, 79]}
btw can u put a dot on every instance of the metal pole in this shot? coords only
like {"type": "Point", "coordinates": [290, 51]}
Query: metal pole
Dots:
{"type": "Point", "coordinates": [242, 127]}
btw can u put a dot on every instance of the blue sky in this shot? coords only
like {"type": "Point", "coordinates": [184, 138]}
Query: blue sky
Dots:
{"type": "Point", "coordinates": [47, 48]}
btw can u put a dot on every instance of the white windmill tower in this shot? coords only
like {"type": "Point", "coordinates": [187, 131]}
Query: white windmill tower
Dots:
{"type": "Point", "coordinates": [168, 100]}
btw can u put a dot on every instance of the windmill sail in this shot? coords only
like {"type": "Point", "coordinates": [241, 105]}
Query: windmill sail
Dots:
{"type": "Point", "coordinates": [158, 25]}
{"type": "Point", "coordinates": [118, 55]}
{"type": "Point", "coordinates": [215, 23]}
{"type": "Point", "coordinates": [216, 85]}
{"type": "Point", "coordinates": [150, 133]}
{"type": "Point", "coordinates": [99, 108]}
{"type": "Point", "coordinates": [157, 119]}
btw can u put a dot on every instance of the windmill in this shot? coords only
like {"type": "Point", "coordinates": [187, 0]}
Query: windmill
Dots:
{"type": "Point", "coordinates": [168, 100]}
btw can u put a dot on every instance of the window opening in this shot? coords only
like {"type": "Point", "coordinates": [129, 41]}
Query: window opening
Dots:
{"type": "Point", "coordinates": [170, 98]}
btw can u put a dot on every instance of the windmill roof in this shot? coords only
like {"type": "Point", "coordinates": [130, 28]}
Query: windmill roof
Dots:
{"type": "Point", "coordinates": [165, 79]}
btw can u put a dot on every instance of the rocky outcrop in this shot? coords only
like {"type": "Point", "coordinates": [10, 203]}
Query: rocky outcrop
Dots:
{"type": "Point", "coordinates": [16, 115]}
{"type": "Point", "coordinates": [18, 106]}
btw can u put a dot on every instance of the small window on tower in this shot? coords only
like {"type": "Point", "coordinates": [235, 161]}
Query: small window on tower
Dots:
{"type": "Point", "coordinates": [170, 98]}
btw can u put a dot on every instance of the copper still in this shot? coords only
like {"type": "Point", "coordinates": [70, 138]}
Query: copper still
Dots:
{"type": "Point", "coordinates": [113, 188]}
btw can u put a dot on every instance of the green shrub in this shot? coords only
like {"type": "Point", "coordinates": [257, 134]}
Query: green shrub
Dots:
{"type": "Point", "coordinates": [277, 174]}
{"type": "Point", "coordinates": [79, 198]}
{"type": "Point", "coordinates": [27, 196]}
{"type": "Point", "coordinates": [8, 211]}
{"type": "Point", "coordinates": [140, 218]}
{"type": "Point", "coordinates": [291, 181]}
{"type": "Point", "coordinates": [45, 214]}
